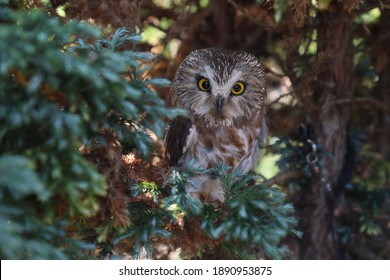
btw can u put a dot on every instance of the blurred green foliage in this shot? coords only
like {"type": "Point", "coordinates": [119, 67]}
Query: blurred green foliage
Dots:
{"type": "Point", "coordinates": [61, 87]}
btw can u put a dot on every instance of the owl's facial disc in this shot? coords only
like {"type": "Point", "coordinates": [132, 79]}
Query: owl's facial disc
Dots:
{"type": "Point", "coordinates": [220, 86]}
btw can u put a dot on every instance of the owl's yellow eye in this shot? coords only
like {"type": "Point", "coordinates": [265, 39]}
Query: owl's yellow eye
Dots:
{"type": "Point", "coordinates": [238, 88]}
{"type": "Point", "coordinates": [204, 84]}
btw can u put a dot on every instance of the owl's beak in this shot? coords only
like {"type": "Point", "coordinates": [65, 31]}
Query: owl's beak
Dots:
{"type": "Point", "coordinates": [218, 104]}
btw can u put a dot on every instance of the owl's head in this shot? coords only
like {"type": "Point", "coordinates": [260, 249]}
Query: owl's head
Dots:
{"type": "Point", "coordinates": [220, 86]}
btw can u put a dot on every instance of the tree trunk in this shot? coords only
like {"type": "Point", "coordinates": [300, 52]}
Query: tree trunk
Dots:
{"type": "Point", "coordinates": [329, 121]}
{"type": "Point", "coordinates": [223, 22]}
{"type": "Point", "coordinates": [382, 53]}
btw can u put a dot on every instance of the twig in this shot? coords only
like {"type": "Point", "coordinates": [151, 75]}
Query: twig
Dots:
{"type": "Point", "coordinates": [371, 100]}
{"type": "Point", "coordinates": [246, 13]}
{"type": "Point", "coordinates": [281, 178]}
{"type": "Point", "coordinates": [279, 98]}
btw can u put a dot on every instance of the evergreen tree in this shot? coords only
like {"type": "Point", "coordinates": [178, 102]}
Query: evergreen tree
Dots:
{"type": "Point", "coordinates": [59, 95]}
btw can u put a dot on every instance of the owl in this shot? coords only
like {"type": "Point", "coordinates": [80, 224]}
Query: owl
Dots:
{"type": "Point", "coordinates": [224, 94]}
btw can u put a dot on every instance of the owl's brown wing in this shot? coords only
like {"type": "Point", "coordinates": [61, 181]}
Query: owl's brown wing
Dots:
{"type": "Point", "coordinates": [176, 139]}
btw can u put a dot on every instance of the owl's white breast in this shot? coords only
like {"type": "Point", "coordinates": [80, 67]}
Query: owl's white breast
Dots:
{"type": "Point", "coordinates": [236, 146]}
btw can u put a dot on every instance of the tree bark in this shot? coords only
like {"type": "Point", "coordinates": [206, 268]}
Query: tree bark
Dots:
{"type": "Point", "coordinates": [382, 53]}
{"type": "Point", "coordinates": [329, 121]}
{"type": "Point", "coordinates": [223, 23]}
